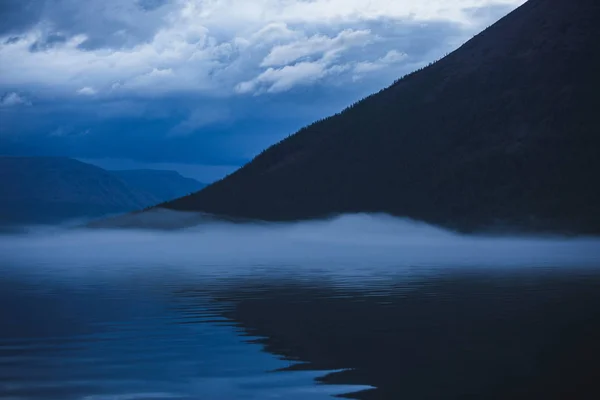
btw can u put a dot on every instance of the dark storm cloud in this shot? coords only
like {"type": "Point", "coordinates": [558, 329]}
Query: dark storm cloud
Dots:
{"type": "Point", "coordinates": [150, 5]}
{"type": "Point", "coordinates": [17, 16]}
{"type": "Point", "coordinates": [106, 23]}
{"type": "Point", "coordinates": [12, 40]}
{"type": "Point", "coordinates": [174, 99]}
{"type": "Point", "coordinates": [47, 42]}
{"type": "Point", "coordinates": [139, 129]}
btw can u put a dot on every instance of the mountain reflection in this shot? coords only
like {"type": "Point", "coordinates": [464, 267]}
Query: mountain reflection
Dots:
{"type": "Point", "coordinates": [368, 307]}
{"type": "Point", "coordinates": [452, 336]}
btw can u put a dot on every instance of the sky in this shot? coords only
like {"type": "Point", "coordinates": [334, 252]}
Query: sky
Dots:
{"type": "Point", "coordinates": [202, 86]}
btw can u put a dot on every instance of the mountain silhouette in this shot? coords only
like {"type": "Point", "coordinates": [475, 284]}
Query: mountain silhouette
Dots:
{"type": "Point", "coordinates": [162, 184]}
{"type": "Point", "coordinates": [54, 189]}
{"type": "Point", "coordinates": [503, 132]}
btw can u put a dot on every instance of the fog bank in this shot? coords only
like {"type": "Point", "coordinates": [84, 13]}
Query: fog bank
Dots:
{"type": "Point", "coordinates": [353, 244]}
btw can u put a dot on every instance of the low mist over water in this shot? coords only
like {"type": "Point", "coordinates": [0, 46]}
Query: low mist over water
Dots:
{"type": "Point", "coordinates": [359, 241]}
{"type": "Point", "coordinates": [367, 306]}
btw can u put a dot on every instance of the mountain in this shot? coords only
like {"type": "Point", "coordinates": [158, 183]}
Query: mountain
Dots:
{"type": "Point", "coordinates": [163, 185]}
{"type": "Point", "coordinates": [503, 132]}
{"type": "Point", "coordinates": [53, 189]}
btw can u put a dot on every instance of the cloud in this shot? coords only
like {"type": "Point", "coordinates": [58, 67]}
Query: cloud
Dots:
{"type": "Point", "coordinates": [104, 23]}
{"type": "Point", "coordinates": [184, 76]}
{"type": "Point", "coordinates": [200, 118]}
{"type": "Point", "coordinates": [272, 33]}
{"type": "Point", "coordinates": [64, 131]}
{"type": "Point", "coordinates": [282, 79]}
{"type": "Point", "coordinates": [214, 47]}
{"type": "Point", "coordinates": [13, 99]}
{"type": "Point", "coordinates": [47, 42]}
{"type": "Point", "coordinates": [150, 5]}
{"type": "Point", "coordinates": [392, 57]}
{"type": "Point", "coordinates": [87, 91]}
{"type": "Point", "coordinates": [19, 15]}
{"type": "Point", "coordinates": [293, 70]}
{"type": "Point", "coordinates": [321, 45]}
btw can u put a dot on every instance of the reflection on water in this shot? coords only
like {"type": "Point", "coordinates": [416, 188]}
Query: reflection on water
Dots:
{"type": "Point", "coordinates": [100, 316]}
{"type": "Point", "coordinates": [133, 342]}
{"type": "Point", "coordinates": [461, 335]}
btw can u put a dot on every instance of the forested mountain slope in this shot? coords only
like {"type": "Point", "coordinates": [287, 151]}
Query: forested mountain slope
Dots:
{"type": "Point", "coordinates": [503, 131]}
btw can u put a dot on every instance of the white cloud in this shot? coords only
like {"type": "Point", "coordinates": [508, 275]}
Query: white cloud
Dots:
{"type": "Point", "coordinates": [87, 91]}
{"type": "Point", "coordinates": [286, 67]}
{"type": "Point", "coordinates": [273, 33]}
{"type": "Point", "coordinates": [392, 57]}
{"type": "Point", "coordinates": [221, 47]}
{"type": "Point", "coordinates": [155, 78]}
{"type": "Point", "coordinates": [278, 80]}
{"type": "Point", "coordinates": [233, 14]}
{"type": "Point", "coordinates": [13, 99]}
{"type": "Point", "coordinates": [321, 45]}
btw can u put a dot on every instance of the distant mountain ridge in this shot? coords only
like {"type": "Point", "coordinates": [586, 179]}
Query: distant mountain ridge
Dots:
{"type": "Point", "coordinates": [54, 189]}
{"type": "Point", "coordinates": [502, 132]}
{"type": "Point", "coordinates": [162, 184]}
{"type": "Point", "coordinates": [51, 189]}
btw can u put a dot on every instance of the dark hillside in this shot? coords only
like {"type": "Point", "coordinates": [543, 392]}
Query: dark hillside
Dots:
{"type": "Point", "coordinates": [502, 132]}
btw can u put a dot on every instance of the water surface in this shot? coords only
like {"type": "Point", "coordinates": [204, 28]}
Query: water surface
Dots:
{"type": "Point", "coordinates": [363, 306]}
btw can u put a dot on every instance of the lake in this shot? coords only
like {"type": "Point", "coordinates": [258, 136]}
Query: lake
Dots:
{"type": "Point", "coordinates": [366, 307]}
